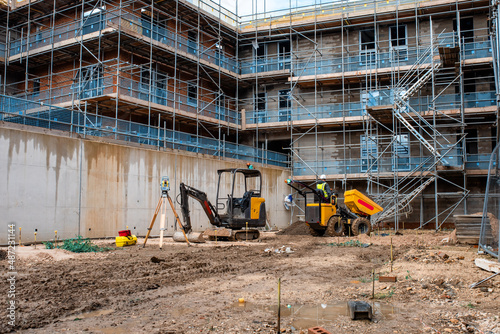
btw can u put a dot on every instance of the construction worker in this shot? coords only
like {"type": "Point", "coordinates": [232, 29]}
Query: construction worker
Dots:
{"type": "Point", "coordinates": [324, 188]}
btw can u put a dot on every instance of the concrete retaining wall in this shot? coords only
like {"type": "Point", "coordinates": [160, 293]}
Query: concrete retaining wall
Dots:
{"type": "Point", "coordinates": [53, 181]}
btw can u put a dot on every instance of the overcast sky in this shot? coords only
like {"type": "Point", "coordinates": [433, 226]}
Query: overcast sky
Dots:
{"type": "Point", "coordinates": [245, 6]}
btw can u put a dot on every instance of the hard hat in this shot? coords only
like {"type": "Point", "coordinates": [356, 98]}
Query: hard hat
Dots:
{"type": "Point", "coordinates": [323, 177]}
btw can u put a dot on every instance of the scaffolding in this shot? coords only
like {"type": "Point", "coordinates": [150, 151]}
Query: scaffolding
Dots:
{"type": "Point", "coordinates": [386, 95]}
{"type": "Point", "coordinates": [399, 98]}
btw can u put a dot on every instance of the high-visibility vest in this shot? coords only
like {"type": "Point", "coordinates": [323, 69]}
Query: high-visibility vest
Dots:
{"type": "Point", "coordinates": [321, 186]}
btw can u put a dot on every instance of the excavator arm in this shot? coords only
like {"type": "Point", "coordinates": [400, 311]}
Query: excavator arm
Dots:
{"type": "Point", "coordinates": [201, 197]}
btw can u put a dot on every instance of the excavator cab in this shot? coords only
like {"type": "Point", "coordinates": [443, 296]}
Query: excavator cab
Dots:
{"type": "Point", "coordinates": [239, 198]}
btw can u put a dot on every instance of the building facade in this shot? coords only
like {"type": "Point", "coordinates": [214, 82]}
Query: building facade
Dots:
{"type": "Point", "coordinates": [396, 98]}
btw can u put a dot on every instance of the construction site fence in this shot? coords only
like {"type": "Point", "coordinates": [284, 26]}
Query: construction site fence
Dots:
{"type": "Point", "coordinates": [55, 118]}
{"type": "Point", "coordinates": [489, 237]}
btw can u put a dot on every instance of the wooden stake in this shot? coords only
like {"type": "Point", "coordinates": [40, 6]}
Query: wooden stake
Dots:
{"type": "Point", "coordinates": [20, 241]}
{"type": "Point", "coordinates": [373, 285]}
{"type": "Point", "coordinates": [35, 240]}
{"type": "Point", "coordinates": [392, 258]}
{"type": "Point", "coordinates": [55, 238]}
{"type": "Point", "coordinates": [279, 305]}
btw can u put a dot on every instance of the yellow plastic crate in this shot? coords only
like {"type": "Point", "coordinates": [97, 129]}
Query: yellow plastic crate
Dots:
{"type": "Point", "coordinates": [359, 203]}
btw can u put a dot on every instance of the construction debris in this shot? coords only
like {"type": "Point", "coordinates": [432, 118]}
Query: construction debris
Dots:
{"type": "Point", "coordinates": [488, 265]}
{"type": "Point", "coordinates": [468, 227]}
{"type": "Point", "coordinates": [350, 243]}
{"type": "Point", "coordinates": [194, 237]}
{"type": "Point", "coordinates": [282, 249]}
{"type": "Point", "coordinates": [317, 330]}
{"type": "Point", "coordinates": [391, 279]}
{"type": "Point", "coordinates": [359, 310]}
{"type": "Point", "coordinates": [484, 280]}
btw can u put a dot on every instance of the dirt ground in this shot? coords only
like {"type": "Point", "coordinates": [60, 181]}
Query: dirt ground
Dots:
{"type": "Point", "coordinates": [196, 289]}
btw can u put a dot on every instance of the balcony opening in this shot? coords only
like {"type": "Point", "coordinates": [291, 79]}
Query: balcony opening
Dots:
{"type": "Point", "coordinates": [398, 43]}
{"type": "Point", "coordinates": [260, 108]}
{"type": "Point", "coordinates": [192, 94]}
{"type": "Point", "coordinates": [367, 46]}
{"type": "Point", "coordinates": [260, 54]}
{"type": "Point", "coordinates": [466, 29]}
{"type": "Point", "coordinates": [367, 39]}
{"type": "Point", "coordinates": [285, 105]}
{"type": "Point", "coordinates": [36, 87]}
{"type": "Point", "coordinates": [284, 49]}
{"type": "Point", "coordinates": [471, 146]}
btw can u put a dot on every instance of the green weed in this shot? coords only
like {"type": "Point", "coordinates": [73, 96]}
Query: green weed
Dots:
{"type": "Point", "coordinates": [77, 245]}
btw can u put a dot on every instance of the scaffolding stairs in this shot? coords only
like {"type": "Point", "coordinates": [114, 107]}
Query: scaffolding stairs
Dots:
{"type": "Point", "coordinates": [397, 199]}
{"type": "Point", "coordinates": [403, 116]}
{"type": "Point", "coordinates": [402, 108]}
{"type": "Point", "coordinates": [400, 206]}
{"type": "Point", "coordinates": [422, 80]}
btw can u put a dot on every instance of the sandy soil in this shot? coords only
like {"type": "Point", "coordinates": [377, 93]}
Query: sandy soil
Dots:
{"type": "Point", "coordinates": [182, 289]}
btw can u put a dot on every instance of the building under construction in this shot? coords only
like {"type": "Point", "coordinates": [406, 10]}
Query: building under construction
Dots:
{"type": "Point", "coordinates": [398, 98]}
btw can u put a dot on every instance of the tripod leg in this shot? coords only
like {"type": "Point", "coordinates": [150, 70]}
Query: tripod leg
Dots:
{"type": "Point", "coordinates": [158, 206]}
{"type": "Point", "coordinates": [162, 221]}
{"type": "Point", "coordinates": [178, 219]}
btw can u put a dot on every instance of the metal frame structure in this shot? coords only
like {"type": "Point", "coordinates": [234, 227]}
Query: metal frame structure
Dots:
{"type": "Point", "coordinates": [417, 78]}
{"type": "Point", "coordinates": [345, 94]}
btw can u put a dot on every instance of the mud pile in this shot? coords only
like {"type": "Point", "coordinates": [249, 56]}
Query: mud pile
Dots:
{"type": "Point", "coordinates": [297, 228]}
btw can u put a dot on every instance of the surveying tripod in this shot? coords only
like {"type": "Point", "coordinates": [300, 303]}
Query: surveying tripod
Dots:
{"type": "Point", "coordinates": [165, 188]}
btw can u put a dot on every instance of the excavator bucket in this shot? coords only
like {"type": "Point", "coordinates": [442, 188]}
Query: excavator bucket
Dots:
{"type": "Point", "coordinates": [193, 237]}
{"type": "Point", "coordinates": [360, 203]}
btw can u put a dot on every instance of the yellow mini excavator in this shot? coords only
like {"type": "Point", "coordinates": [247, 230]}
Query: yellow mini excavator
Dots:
{"type": "Point", "coordinates": [239, 208]}
{"type": "Point", "coordinates": [328, 217]}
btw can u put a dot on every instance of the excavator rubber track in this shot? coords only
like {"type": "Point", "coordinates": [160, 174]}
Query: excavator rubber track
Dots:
{"type": "Point", "coordinates": [232, 235]}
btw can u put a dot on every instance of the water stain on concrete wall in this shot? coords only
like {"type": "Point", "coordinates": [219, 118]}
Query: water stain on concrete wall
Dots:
{"type": "Point", "coordinates": [119, 185]}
